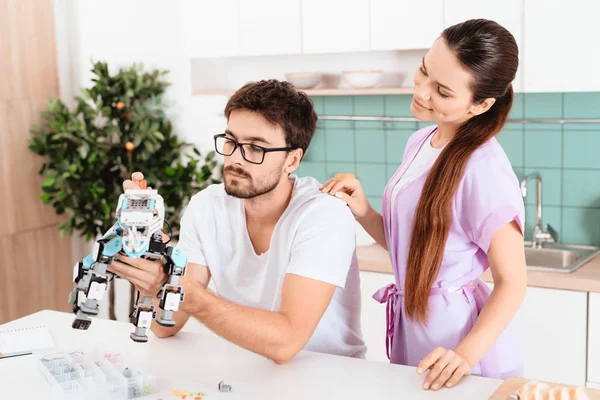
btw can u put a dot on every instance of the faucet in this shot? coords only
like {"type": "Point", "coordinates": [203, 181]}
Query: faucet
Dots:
{"type": "Point", "coordinates": [539, 236]}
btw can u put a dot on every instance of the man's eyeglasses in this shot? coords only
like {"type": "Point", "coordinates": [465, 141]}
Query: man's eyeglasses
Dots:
{"type": "Point", "coordinates": [250, 152]}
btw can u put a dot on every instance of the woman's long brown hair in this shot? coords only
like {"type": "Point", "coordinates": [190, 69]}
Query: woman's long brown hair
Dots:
{"type": "Point", "coordinates": [490, 52]}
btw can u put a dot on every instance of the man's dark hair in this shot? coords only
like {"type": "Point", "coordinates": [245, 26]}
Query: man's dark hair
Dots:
{"type": "Point", "coordinates": [280, 104]}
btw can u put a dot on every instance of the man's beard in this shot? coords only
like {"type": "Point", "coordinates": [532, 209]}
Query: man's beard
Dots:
{"type": "Point", "coordinates": [246, 188]}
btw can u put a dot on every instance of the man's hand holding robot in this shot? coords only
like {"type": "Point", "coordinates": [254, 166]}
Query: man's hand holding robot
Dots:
{"type": "Point", "coordinates": [146, 275]}
{"type": "Point", "coordinates": [133, 249]}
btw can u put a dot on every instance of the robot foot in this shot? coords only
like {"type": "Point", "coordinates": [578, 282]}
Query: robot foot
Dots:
{"type": "Point", "coordinates": [165, 322]}
{"type": "Point", "coordinates": [81, 324]}
{"type": "Point", "coordinates": [90, 310]}
{"type": "Point", "coordinates": [138, 338]}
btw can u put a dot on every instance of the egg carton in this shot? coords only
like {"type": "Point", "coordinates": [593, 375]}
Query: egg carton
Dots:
{"type": "Point", "coordinates": [94, 375]}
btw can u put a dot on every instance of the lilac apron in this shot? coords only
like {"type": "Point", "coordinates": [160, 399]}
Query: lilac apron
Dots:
{"type": "Point", "coordinates": [483, 203]}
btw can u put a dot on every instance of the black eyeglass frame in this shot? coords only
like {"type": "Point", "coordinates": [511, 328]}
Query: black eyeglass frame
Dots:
{"type": "Point", "coordinates": [237, 144]}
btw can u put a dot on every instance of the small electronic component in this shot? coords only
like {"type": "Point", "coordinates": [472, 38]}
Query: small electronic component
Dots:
{"type": "Point", "coordinates": [223, 387]}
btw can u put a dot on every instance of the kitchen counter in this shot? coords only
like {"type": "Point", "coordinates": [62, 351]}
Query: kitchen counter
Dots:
{"type": "Point", "coordinates": [197, 362]}
{"type": "Point", "coordinates": [585, 279]}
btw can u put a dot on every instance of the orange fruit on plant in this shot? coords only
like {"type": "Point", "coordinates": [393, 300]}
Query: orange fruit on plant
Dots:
{"type": "Point", "coordinates": [129, 146]}
{"type": "Point", "coordinates": [120, 105]}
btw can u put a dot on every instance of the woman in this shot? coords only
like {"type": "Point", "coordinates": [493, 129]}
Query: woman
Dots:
{"type": "Point", "coordinates": [452, 209]}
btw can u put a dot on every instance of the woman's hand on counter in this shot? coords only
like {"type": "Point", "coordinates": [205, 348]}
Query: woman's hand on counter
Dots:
{"type": "Point", "coordinates": [446, 368]}
{"type": "Point", "coordinates": [351, 191]}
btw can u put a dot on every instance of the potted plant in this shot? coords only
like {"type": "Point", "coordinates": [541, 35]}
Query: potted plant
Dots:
{"type": "Point", "coordinates": [118, 126]}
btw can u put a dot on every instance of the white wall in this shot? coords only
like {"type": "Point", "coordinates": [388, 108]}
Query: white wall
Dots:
{"type": "Point", "coordinates": [122, 32]}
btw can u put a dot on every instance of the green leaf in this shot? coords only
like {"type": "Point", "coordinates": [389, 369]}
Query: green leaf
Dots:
{"type": "Point", "coordinates": [45, 198]}
{"type": "Point", "coordinates": [170, 171]}
{"type": "Point", "coordinates": [48, 182]}
{"type": "Point", "coordinates": [137, 141]}
{"type": "Point", "coordinates": [159, 135]}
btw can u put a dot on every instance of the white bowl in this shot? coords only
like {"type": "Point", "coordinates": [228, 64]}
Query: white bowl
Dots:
{"type": "Point", "coordinates": [304, 80]}
{"type": "Point", "coordinates": [362, 79]}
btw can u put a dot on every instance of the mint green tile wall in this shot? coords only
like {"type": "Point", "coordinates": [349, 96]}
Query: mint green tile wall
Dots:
{"type": "Point", "coordinates": [567, 156]}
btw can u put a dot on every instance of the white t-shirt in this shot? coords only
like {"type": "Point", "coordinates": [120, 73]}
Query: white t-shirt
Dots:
{"type": "Point", "coordinates": [426, 156]}
{"type": "Point", "coordinates": [314, 238]}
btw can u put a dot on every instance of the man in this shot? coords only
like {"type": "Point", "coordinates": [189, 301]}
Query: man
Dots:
{"type": "Point", "coordinates": [280, 252]}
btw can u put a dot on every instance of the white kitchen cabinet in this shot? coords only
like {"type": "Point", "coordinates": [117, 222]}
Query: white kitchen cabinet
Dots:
{"type": "Point", "coordinates": [373, 314]}
{"type": "Point", "coordinates": [552, 327]}
{"type": "Point", "coordinates": [561, 46]}
{"type": "Point", "coordinates": [270, 27]}
{"type": "Point", "coordinates": [593, 373]}
{"type": "Point", "coordinates": [335, 26]}
{"type": "Point", "coordinates": [211, 30]}
{"type": "Point", "coordinates": [508, 13]}
{"type": "Point", "coordinates": [396, 25]}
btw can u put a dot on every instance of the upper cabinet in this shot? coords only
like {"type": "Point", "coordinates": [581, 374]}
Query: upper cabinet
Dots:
{"type": "Point", "coordinates": [508, 13]}
{"type": "Point", "coordinates": [405, 24]}
{"type": "Point", "coordinates": [556, 38]}
{"type": "Point", "coordinates": [561, 46]}
{"type": "Point", "coordinates": [211, 31]}
{"type": "Point", "coordinates": [335, 26]}
{"type": "Point", "coordinates": [234, 28]}
{"type": "Point", "coordinates": [270, 27]}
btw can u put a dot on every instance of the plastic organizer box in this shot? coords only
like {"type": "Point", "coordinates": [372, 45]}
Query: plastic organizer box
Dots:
{"type": "Point", "coordinates": [94, 375]}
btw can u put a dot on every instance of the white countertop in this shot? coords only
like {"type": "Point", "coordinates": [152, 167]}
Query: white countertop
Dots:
{"type": "Point", "coordinates": [198, 362]}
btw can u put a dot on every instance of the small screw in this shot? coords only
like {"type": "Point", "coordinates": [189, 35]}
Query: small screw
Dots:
{"type": "Point", "coordinates": [223, 387]}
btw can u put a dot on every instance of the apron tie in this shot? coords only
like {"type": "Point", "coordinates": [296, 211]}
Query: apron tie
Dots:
{"type": "Point", "coordinates": [390, 295]}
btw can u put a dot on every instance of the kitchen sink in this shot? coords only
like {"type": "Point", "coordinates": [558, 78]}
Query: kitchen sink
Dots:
{"type": "Point", "coordinates": [559, 257]}
{"type": "Point", "coordinates": [548, 254]}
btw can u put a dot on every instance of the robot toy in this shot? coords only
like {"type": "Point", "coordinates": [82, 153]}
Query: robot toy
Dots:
{"type": "Point", "coordinates": [140, 216]}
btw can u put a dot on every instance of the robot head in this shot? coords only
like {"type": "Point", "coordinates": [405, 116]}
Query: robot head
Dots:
{"type": "Point", "coordinates": [140, 214]}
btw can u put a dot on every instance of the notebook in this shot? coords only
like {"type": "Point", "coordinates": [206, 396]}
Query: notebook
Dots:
{"type": "Point", "coordinates": [17, 342]}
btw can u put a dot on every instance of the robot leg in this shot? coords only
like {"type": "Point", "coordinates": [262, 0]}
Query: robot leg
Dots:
{"type": "Point", "coordinates": [144, 314]}
{"type": "Point", "coordinates": [171, 293]}
{"type": "Point", "coordinates": [87, 295]}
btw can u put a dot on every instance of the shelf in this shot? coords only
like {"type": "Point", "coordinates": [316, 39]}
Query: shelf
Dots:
{"type": "Point", "coordinates": [359, 92]}
{"type": "Point", "coordinates": [327, 91]}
